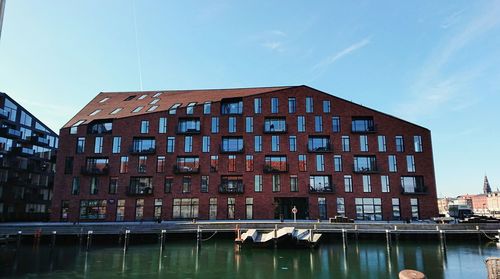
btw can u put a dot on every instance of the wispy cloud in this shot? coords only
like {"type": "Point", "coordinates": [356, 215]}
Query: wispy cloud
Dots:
{"type": "Point", "coordinates": [276, 46]}
{"type": "Point", "coordinates": [273, 40]}
{"type": "Point", "coordinates": [452, 19]}
{"type": "Point", "coordinates": [346, 51]}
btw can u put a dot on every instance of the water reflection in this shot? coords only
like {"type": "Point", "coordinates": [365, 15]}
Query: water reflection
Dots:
{"type": "Point", "coordinates": [220, 258]}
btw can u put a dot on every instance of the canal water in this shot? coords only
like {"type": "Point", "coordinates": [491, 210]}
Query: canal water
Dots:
{"type": "Point", "coordinates": [218, 258]}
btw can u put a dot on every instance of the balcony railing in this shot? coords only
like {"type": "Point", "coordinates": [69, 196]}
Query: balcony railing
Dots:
{"type": "Point", "coordinates": [10, 133]}
{"type": "Point", "coordinates": [240, 150]}
{"type": "Point", "coordinates": [273, 130]}
{"type": "Point", "coordinates": [151, 150]}
{"type": "Point", "coordinates": [94, 171]}
{"type": "Point", "coordinates": [4, 114]}
{"type": "Point", "coordinates": [39, 140]}
{"type": "Point", "coordinates": [417, 190]}
{"type": "Point", "coordinates": [139, 191]}
{"type": "Point", "coordinates": [190, 131]}
{"type": "Point", "coordinates": [23, 151]}
{"type": "Point", "coordinates": [371, 169]}
{"type": "Point", "coordinates": [186, 169]}
{"type": "Point", "coordinates": [320, 149]}
{"type": "Point", "coordinates": [322, 189]}
{"type": "Point", "coordinates": [231, 189]}
{"type": "Point", "coordinates": [268, 168]}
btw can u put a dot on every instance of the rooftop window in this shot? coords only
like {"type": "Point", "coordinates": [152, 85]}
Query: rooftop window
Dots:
{"type": "Point", "coordinates": [100, 128]}
{"type": "Point", "coordinates": [153, 108]}
{"type": "Point", "coordinates": [232, 106]}
{"type": "Point", "coordinates": [116, 110]}
{"type": "Point", "coordinates": [157, 95]}
{"type": "Point", "coordinates": [95, 112]}
{"type": "Point", "coordinates": [78, 123]}
{"type": "Point", "coordinates": [190, 108]}
{"type": "Point", "coordinates": [142, 97]}
{"type": "Point", "coordinates": [137, 109]}
{"type": "Point", "coordinates": [104, 100]}
{"type": "Point", "coordinates": [154, 101]}
{"type": "Point", "coordinates": [173, 109]}
{"type": "Point", "coordinates": [130, 98]}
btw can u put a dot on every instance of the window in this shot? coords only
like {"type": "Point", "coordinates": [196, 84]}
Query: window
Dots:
{"type": "Point", "coordinates": [301, 124]}
{"type": "Point", "coordinates": [381, 144]}
{"type": "Point", "coordinates": [232, 124]}
{"type": "Point", "coordinates": [113, 185]}
{"type": "Point", "coordinates": [25, 119]}
{"type": "Point", "coordinates": [326, 106]}
{"type": "Point", "coordinates": [137, 109]}
{"type": "Point", "coordinates": [173, 109]}
{"type": "Point", "coordinates": [207, 107]}
{"type": "Point", "coordinates": [275, 164]}
{"type": "Point", "coordinates": [187, 165]}
{"type": "Point", "coordinates": [75, 186]}
{"type": "Point", "coordinates": [367, 184]}
{"type": "Point", "coordinates": [292, 105]}
{"type": "Point", "coordinates": [275, 143]}
{"type": "Point", "coordinates": [104, 99]}
{"type": "Point", "coordinates": [309, 105]}
{"type": "Point", "coordinates": [100, 128]}
{"type": "Point", "coordinates": [320, 163]}
{"type": "Point", "coordinates": [160, 164]}
{"type": "Point", "coordinates": [231, 184]}
{"type": "Point", "coordinates": [292, 142]}
{"type": "Point", "coordinates": [185, 208]}
{"type": "Point", "coordinates": [143, 145]}
{"type": "Point", "coordinates": [232, 144]}
{"type": "Point", "coordinates": [98, 145]}
{"type": "Point", "coordinates": [92, 209]}
{"type": "Point", "coordinates": [214, 163]}
{"type": "Point", "coordinates": [162, 125]}
{"type": "Point", "coordinates": [319, 144]}
{"type": "Point", "coordinates": [257, 105]}
{"type": "Point", "coordinates": [396, 211]}
{"type": "Point", "coordinates": [116, 110]}
{"type": "Point", "coordinates": [231, 163]}
{"type": "Point", "coordinates": [124, 164]}
{"type": "Point", "coordinates": [337, 163]}
{"type": "Point", "coordinates": [188, 125]}
{"type": "Point", "coordinates": [363, 143]}
{"type": "Point", "coordinates": [204, 184]}
{"type": "Point", "coordinates": [249, 208]}
{"type": "Point", "coordinates": [96, 166]}
{"type": "Point", "coordinates": [258, 183]}
{"type": "Point", "coordinates": [167, 185]}
{"type": "Point", "coordinates": [152, 108]}
{"type": "Point", "coordinates": [68, 165]}
{"type": "Point", "coordinates": [80, 146]}
{"type": "Point", "coordinates": [410, 163]}
{"type": "Point", "coordinates": [95, 112]}
{"type": "Point", "coordinates": [215, 125]}
{"type": "Point", "coordinates": [413, 184]}
{"type": "Point", "coordinates": [417, 141]}
{"type": "Point", "coordinates": [400, 146]}
{"type": "Point", "coordinates": [362, 125]}
{"type": "Point", "coordinates": [234, 106]}
{"type": "Point", "coordinates": [341, 207]}
{"type": "Point", "coordinates": [142, 97]}
{"type": "Point", "coordinates": [94, 185]}
{"type": "Point", "coordinates": [414, 209]}
{"type": "Point", "coordinates": [186, 184]}
{"type": "Point", "coordinates": [369, 209]}
{"type": "Point", "coordinates": [117, 144]}
{"type": "Point", "coordinates": [346, 145]}
{"type": "Point", "coordinates": [276, 183]}
{"type": "Point", "coordinates": [142, 164]}
{"type": "Point", "coordinates": [320, 183]}
{"type": "Point", "coordinates": [275, 125]}
{"type": "Point", "coordinates": [258, 143]}
{"type": "Point", "coordinates": [294, 183]}
{"type": "Point", "coordinates": [347, 183]}
{"type": "Point", "coordinates": [144, 127]}
{"type": "Point", "coordinates": [318, 124]}
{"type": "Point", "coordinates": [120, 210]}
{"type": "Point", "coordinates": [249, 124]}
{"type": "Point", "coordinates": [274, 105]}
{"type": "Point", "coordinates": [188, 144]}
{"type": "Point", "coordinates": [302, 163]}
{"type": "Point", "coordinates": [335, 124]}
{"type": "Point", "coordinates": [365, 164]}
{"type": "Point", "coordinates": [230, 207]}
{"type": "Point", "coordinates": [322, 208]}
{"type": "Point", "coordinates": [249, 163]}
{"type": "Point", "coordinates": [170, 144]}
{"type": "Point", "coordinates": [129, 98]}
{"type": "Point", "coordinates": [393, 166]}
{"type": "Point", "coordinates": [157, 210]}
{"type": "Point", "coordinates": [205, 144]}
{"type": "Point", "coordinates": [384, 181]}
{"type": "Point", "coordinates": [213, 208]}
{"type": "Point", "coordinates": [156, 95]}
{"type": "Point", "coordinates": [190, 108]}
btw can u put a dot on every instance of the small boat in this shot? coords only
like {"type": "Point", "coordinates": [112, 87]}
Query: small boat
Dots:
{"type": "Point", "coordinates": [287, 237]}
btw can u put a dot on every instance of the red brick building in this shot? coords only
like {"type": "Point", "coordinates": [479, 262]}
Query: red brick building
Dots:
{"type": "Point", "coordinates": [249, 153]}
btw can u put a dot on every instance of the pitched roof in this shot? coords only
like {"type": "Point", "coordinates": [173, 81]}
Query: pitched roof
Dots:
{"type": "Point", "coordinates": [107, 102]}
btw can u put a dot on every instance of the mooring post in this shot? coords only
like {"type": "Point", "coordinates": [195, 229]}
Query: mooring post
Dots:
{"type": "Point", "coordinates": [53, 242]}
{"type": "Point", "coordinates": [344, 238]}
{"type": "Point", "coordinates": [396, 232]}
{"type": "Point", "coordinates": [198, 238]}
{"type": "Point", "coordinates": [442, 238]}
{"type": "Point", "coordinates": [89, 239]}
{"type": "Point", "coordinates": [162, 238]}
{"type": "Point", "coordinates": [388, 239]}
{"type": "Point", "coordinates": [356, 232]}
{"type": "Point", "coordinates": [19, 236]}
{"type": "Point", "coordinates": [275, 236]}
{"type": "Point", "coordinates": [127, 238]}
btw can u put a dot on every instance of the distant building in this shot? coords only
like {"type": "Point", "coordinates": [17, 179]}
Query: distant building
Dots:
{"type": "Point", "coordinates": [486, 186]}
{"type": "Point", "coordinates": [27, 164]}
{"type": "Point", "coordinates": [493, 203]}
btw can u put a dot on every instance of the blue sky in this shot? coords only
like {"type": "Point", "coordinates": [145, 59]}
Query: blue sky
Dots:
{"type": "Point", "coordinates": [435, 63]}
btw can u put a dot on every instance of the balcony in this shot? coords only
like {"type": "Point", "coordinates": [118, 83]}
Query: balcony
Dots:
{"type": "Point", "coordinates": [186, 169]}
{"type": "Point", "coordinates": [270, 129]}
{"type": "Point", "coordinates": [232, 150]}
{"type": "Point", "coordinates": [320, 149]}
{"type": "Point", "coordinates": [94, 170]}
{"type": "Point", "coordinates": [140, 191]}
{"type": "Point", "coordinates": [4, 114]}
{"type": "Point", "coordinates": [269, 168]}
{"type": "Point", "coordinates": [231, 189]}
{"type": "Point", "coordinates": [23, 151]}
{"type": "Point", "coordinates": [10, 133]}
{"type": "Point", "coordinates": [365, 169]}
{"type": "Point", "coordinates": [321, 189]}
{"type": "Point", "coordinates": [416, 190]}
{"type": "Point", "coordinates": [187, 131]}
{"type": "Point", "coordinates": [39, 140]}
{"type": "Point", "coordinates": [151, 150]}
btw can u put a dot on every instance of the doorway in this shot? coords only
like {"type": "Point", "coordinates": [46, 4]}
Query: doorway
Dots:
{"type": "Point", "coordinates": [283, 207]}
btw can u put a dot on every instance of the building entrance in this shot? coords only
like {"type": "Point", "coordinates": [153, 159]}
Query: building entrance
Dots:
{"type": "Point", "coordinates": [283, 207]}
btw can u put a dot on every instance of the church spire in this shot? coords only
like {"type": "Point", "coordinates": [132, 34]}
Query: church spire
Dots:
{"type": "Point", "coordinates": [486, 187]}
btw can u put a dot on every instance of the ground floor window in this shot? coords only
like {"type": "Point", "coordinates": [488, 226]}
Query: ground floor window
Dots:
{"type": "Point", "coordinates": [92, 209]}
{"type": "Point", "coordinates": [230, 207]}
{"type": "Point", "coordinates": [139, 209]}
{"type": "Point", "coordinates": [120, 210]}
{"type": "Point", "coordinates": [414, 209]}
{"type": "Point", "coordinates": [369, 209]}
{"type": "Point", "coordinates": [64, 210]}
{"type": "Point", "coordinates": [396, 211]}
{"type": "Point", "coordinates": [185, 208]}
{"type": "Point", "coordinates": [249, 208]}
{"type": "Point", "coordinates": [322, 208]}
{"type": "Point", "coordinates": [213, 209]}
{"type": "Point", "coordinates": [158, 205]}
{"type": "Point", "coordinates": [340, 207]}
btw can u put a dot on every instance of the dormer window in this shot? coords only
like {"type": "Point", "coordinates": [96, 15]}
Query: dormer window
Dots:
{"type": "Point", "coordinates": [173, 109]}
{"type": "Point", "coordinates": [232, 106]}
{"type": "Point", "coordinates": [137, 109]}
{"type": "Point", "coordinates": [74, 128]}
{"type": "Point", "coordinates": [190, 108]}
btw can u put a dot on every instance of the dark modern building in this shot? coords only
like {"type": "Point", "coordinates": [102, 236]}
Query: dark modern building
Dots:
{"type": "Point", "coordinates": [27, 164]}
{"type": "Point", "coordinates": [251, 153]}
